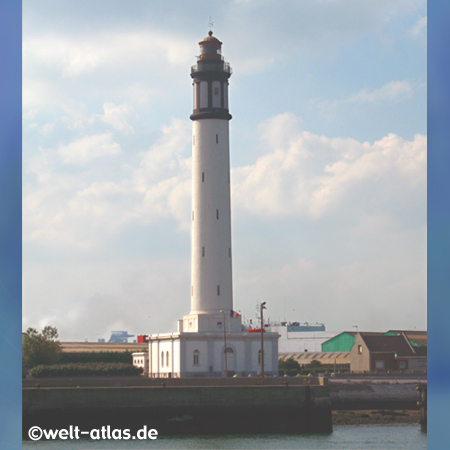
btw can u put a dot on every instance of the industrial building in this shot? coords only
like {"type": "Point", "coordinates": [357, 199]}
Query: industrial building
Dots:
{"type": "Point", "coordinates": [296, 337]}
{"type": "Point", "coordinates": [344, 341]}
{"type": "Point", "coordinates": [395, 350]}
{"type": "Point", "coordinates": [386, 352]}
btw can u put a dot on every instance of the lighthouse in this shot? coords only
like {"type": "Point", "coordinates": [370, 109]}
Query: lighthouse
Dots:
{"type": "Point", "coordinates": [210, 340]}
{"type": "Point", "coordinates": [211, 273]}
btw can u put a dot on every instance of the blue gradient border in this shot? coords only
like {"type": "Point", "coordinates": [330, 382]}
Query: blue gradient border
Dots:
{"type": "Point", "coordinates": [438, 224]}
{"type": "Point", "coordinates": [10, 224]}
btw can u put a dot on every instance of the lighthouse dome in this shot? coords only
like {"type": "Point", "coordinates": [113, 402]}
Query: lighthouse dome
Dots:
{"type": "Point", "coordinates": [210, 47]}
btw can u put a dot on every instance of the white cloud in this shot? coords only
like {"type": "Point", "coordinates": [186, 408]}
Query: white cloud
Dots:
{"type": "Point", "coordinates": [391, 91]}
{"type": "Point", "coordinates": [116, 116]}
{"type": "Point", "coordinates": [311, 27]}
{"type": "Point", "coordinates": [75, 115]}
{"type": "Point", "coordinates": [73, 56]}
{"type": "Point", "coordinates": [47, 128]}
{"type": "Point", "coordinates": [43, 128]}
{"type": "Point", "coordinates": [250, 66]}
{"type": "Point", "coordinates": [306, 175]}
{"type": "Point", "coordinates": [164, 175]}
{"type": "Point", "coordinates": [88, 148]}
{"type": "Point", "coordinates": [142, 93]}
{"type": "Point", "coordinates": [88, 208]}
{"type": "Point", "coordinates": [277, 131]}
{"type": "Point", "coordinates": [346, 197]}
{"type": "Point", "coordinates": [299, 175]}
{"type": "Point", "coordinates": [420, 27]}
{"type": "Point", "coordinates": [102, 66]}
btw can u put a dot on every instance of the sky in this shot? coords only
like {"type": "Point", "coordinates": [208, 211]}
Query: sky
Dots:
{"type": "Point", "coordinates": [328, 155]}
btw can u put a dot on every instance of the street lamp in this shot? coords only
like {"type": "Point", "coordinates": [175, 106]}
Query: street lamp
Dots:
{"type": "Point", "coordinates": [225, 342]}
{"type": "Point", "coordinates": [262, 341]}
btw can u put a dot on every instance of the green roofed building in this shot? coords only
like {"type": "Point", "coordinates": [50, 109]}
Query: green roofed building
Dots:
{"type": "Point", "coordinates": [343, 342]}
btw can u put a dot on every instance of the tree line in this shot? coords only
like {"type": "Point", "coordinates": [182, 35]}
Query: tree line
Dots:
{"type": "Point", "coordinates": [42, 356]}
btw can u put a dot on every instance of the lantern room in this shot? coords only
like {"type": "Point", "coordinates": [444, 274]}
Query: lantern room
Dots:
{"type": "Point", "coordinates": [210, 48]}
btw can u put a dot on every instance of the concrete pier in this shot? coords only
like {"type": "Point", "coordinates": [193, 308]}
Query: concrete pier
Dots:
{"type": "Point", "coordinates": [182, 410]}
{"type": "Point", "coordinates": [353, 396]}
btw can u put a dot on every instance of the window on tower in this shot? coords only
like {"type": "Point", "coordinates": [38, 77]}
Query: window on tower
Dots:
{"type": "Point", "coordinates": [196, 92]}
{"type": "Point", "coordinates": [217, 138]}
{"type": "Point", "coordinates": [225, 95]}
{"type": "Point", "coordinates": [203, 94]}
{"type": "Point", "coordinates": [216, 103]}
{"type": "Point", "coordinates": [211, 49]}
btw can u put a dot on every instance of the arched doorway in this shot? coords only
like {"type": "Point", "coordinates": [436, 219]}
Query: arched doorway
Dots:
{"type": "Point", "coordinates": [231, 361]}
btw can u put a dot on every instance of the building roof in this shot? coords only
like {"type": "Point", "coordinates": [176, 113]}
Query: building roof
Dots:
{"type": "Point", "coordinates": [421, 351]}
{"type": "Point", "coordinates": [389, 344]}
{"type": "Point", "coordinates": [210, 39]}
{"type": "Point", "coordinates": [416, 337]}
{"type": "Point", "coordinates": [352, 333]}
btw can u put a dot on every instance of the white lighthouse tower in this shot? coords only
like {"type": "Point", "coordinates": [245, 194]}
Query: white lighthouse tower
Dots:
{"type": "Point", "coordinates": [211, 268]}
{"type": "Point", "coordinates": [211, 289]}
{"type": "Point", "coordinates": [211, 341]}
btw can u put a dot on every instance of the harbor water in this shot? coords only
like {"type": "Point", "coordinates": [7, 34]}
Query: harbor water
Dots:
{"type": "Point", "coordinates": [392, 437]}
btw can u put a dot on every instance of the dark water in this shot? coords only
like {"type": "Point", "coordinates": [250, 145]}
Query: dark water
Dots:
{"type": "Point", "coordinates": [398, 437]}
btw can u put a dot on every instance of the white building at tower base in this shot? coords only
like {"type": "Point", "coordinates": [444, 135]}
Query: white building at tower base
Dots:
{"type": "Point", "coordinates": [201, 354]}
